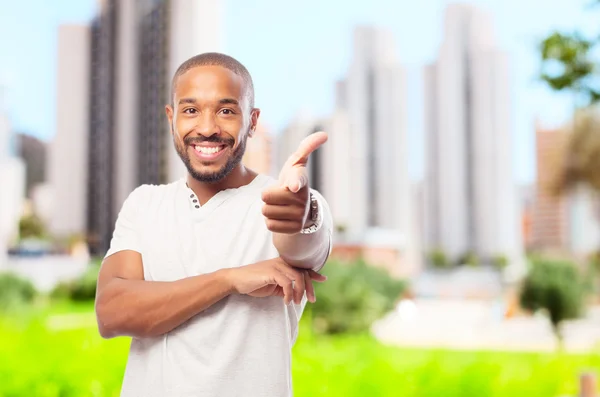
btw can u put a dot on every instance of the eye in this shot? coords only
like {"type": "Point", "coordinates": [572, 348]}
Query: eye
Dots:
{"type": "Point", "coordinates": [227, 112]}
{"type": "Point", "coordinates": [190, 111]}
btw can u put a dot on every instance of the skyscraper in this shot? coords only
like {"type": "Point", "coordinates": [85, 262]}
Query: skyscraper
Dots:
{"type": "Point", "coordinates": [373, 98]}
{"type": "Point", "coordinates": [471, 195]}
{"type": "Point", "coordinates": [136, 47]}
{"type": "Point", "coordinates": [68, 159]}
{"type": "Point", "coordinates": [101, 139]}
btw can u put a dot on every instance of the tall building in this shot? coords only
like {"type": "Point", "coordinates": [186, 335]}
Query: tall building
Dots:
{"type": "Point", "coordinates": [549, 223]}
{"type": "Point", "coordinates": [101, 139]}
{"type": "Point", "coordinates": [134, 48]}
{"type": "Point", "coordinates": [12, 180]}
{"type": "Point", "coordinates": [363, 168]}
{"type": "Point", "coordinates": [194, 27]}
{"type": "Point", "coordinates": [373, 96]}
{"type": "Point", "coordinates": [68, 159]}
{"type": "Point", "coordinates": [566, 222]}
{"type": "Point", "coordinates": [471, 195]}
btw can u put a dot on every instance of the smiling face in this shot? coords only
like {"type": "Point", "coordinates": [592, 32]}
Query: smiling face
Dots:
{"type": "Point", "coordinates": [210, 121]}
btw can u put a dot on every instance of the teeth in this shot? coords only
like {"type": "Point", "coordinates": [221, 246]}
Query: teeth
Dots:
{"type": "Point", "coordinates": [207, 150]}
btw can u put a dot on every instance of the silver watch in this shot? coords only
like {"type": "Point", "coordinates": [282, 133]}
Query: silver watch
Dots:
{"type": "Point", "coordinates": [315, 216]}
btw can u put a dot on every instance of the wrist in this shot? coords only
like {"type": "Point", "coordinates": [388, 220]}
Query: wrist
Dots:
{"type": "Point", "coordinates": [226, 278]}
{"type": "Point", "coordinates": [314, 218]}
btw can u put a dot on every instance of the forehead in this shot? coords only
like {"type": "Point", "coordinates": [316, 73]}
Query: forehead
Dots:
{"type": "Point", "coordinates": [209, 82]}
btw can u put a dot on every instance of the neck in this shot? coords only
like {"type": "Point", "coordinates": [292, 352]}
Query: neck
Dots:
{"type": "Point", "coordinates": [238, 177]}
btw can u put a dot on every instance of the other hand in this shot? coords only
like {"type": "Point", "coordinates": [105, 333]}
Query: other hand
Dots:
{"type": "Point", "coordinates": [274, 277]}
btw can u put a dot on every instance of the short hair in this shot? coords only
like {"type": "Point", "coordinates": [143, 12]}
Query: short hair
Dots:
{"type": "Point", "coordinates": [217, 59]}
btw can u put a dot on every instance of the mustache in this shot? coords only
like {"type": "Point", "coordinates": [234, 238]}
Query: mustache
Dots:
{"type": "Point", "coordinates": [213, 139]}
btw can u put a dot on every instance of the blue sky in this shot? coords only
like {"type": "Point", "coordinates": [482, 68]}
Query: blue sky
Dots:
{"type": "Point", "coordinates": [295, 53]}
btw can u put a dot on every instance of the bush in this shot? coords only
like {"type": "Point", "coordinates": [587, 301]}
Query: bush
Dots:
{"type": "Point", "coordinates": [468, 259]}
{"type": "Point", "coordinates": [31, 226]}
{"type": "Point", "coordinates": [438, 259]}
{"type": "Point", "coordinates": [500, 261]}
{"type": "Point", "coordinates": [556, 287]}
{"type": "Point", "coordinates": [354, 296]}
{"type": "Point", "coordinates": [15, 291]}
{"type": "Point", "coordinates": [81, 289]}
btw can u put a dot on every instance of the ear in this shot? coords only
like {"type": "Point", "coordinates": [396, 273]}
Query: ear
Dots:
{"type": "Point", "coordinates": [254, 115]}
{"type": "Point", "coordinates": [169, 112]}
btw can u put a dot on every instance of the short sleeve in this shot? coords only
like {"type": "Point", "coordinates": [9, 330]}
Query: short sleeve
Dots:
{"type": "Point", "coordinates": [126, 233]}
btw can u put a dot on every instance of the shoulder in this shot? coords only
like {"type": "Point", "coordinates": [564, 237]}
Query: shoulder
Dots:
{"type": "Point", "coordinates": [148, 193]}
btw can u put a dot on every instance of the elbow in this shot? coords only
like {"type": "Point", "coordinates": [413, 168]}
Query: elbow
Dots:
{"type": "Point", "coordinates": [106, 319]}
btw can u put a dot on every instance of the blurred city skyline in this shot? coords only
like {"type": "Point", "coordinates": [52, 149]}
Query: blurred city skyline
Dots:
{"type": "Point", "coordinates": [309, 55]}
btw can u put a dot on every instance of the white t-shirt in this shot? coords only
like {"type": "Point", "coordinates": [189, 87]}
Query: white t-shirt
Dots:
{"type": "Point", "coordinates": [240, 346]}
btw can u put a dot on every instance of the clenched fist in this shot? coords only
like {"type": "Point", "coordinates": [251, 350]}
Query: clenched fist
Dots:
{"type": "Point", "coordinates": [274, 277]}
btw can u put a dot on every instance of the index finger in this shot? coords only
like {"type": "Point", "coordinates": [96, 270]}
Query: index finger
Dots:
{"type": "Point", "coordinates": [306, 147]}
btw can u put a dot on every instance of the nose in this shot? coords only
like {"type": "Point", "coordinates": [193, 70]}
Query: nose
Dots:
{"type": "Point", "coordinates": [207, 125]}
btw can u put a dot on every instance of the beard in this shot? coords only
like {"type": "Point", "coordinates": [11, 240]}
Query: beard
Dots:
{"type": "Point", "coordinates": [233, 160]}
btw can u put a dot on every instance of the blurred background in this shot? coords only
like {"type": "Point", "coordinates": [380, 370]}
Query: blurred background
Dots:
{"type": "Point", "coordinates": [463, 172]}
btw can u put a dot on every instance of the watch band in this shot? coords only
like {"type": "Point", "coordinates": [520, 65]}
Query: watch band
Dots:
{"type": "Point", "coordinates": [315, 216]}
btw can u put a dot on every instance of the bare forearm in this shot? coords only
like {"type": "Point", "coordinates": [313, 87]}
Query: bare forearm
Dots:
{"type": "Point", "coordinates": [141, 308]}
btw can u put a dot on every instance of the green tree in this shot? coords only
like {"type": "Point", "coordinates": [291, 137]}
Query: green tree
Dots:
{"type": "Point", "coordinates": [569, 64]}
{"type": "Point", "coordinates": [557, 288]}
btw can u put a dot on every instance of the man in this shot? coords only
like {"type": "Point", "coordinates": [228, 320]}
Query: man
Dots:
{"type": "Point", "coordinates": [209, 275]}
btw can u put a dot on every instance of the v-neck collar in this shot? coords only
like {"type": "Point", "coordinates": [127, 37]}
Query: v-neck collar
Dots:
{"type": "Point", "coordinates": [215, 201]}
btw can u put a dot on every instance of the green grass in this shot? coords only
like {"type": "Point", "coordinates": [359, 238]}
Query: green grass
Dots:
{"type": "Point", "coordinates": [40, 360]}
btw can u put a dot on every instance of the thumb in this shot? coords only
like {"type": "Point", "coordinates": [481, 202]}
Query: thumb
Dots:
{"type": "Point", "coordinates": [307, 146]}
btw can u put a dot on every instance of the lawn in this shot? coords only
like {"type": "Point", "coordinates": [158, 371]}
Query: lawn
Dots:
{"type": "Point", "coordinates": [57, 352]}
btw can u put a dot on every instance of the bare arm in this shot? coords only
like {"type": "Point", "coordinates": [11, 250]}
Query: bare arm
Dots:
{"type": "Point", "coordinates": [127, 305]}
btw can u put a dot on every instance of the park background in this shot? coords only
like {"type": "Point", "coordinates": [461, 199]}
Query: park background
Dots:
{"type": "Point", "coordinates": [462, 169]}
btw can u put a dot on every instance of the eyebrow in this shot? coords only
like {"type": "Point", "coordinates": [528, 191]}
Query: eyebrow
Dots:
{"type": "Point", "coordinates": [224, 101]}
{"type": "Point", "coordinates": [229, 101]}
{"type": "Point", "coordinates": [187, 100]}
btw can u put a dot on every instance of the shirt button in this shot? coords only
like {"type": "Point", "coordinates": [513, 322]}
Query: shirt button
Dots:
{"type": "Point", "coordinates": [197, 206]}
{"type": "Point", "coordinates": [191, 196]}
{"type": "Point", "coordinates": [195, 201]}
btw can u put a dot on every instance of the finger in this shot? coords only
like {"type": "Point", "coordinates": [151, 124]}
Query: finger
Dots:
{"type": "Point", "coordinates": [284, 227]}
{"type": "Point", "coordinates": [283, 212]}
{"type": "Point", "coordinates": [280, 195]}
{"type": "Point", "coordinates": [296, 178]}
{"type": "Point", "coordinates": [286, 285]}
{"type": "Point", "coordinates": [299, 287]}
{"type": "Point", "coordinates": [310, 289]}
{"type": "Point", "coordinates": [297, 276]}
{"type": "Point", "coordinates": [306, 147]}
{"type": "Point", "coordinates": [315, 276]}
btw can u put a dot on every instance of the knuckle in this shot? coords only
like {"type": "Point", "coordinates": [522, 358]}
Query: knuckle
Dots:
{"type": "Point", "coordinates": [266, 196]}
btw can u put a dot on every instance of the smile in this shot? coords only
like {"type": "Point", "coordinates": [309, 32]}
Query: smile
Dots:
{"type": "Point", "coordinates": [211, 152]}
